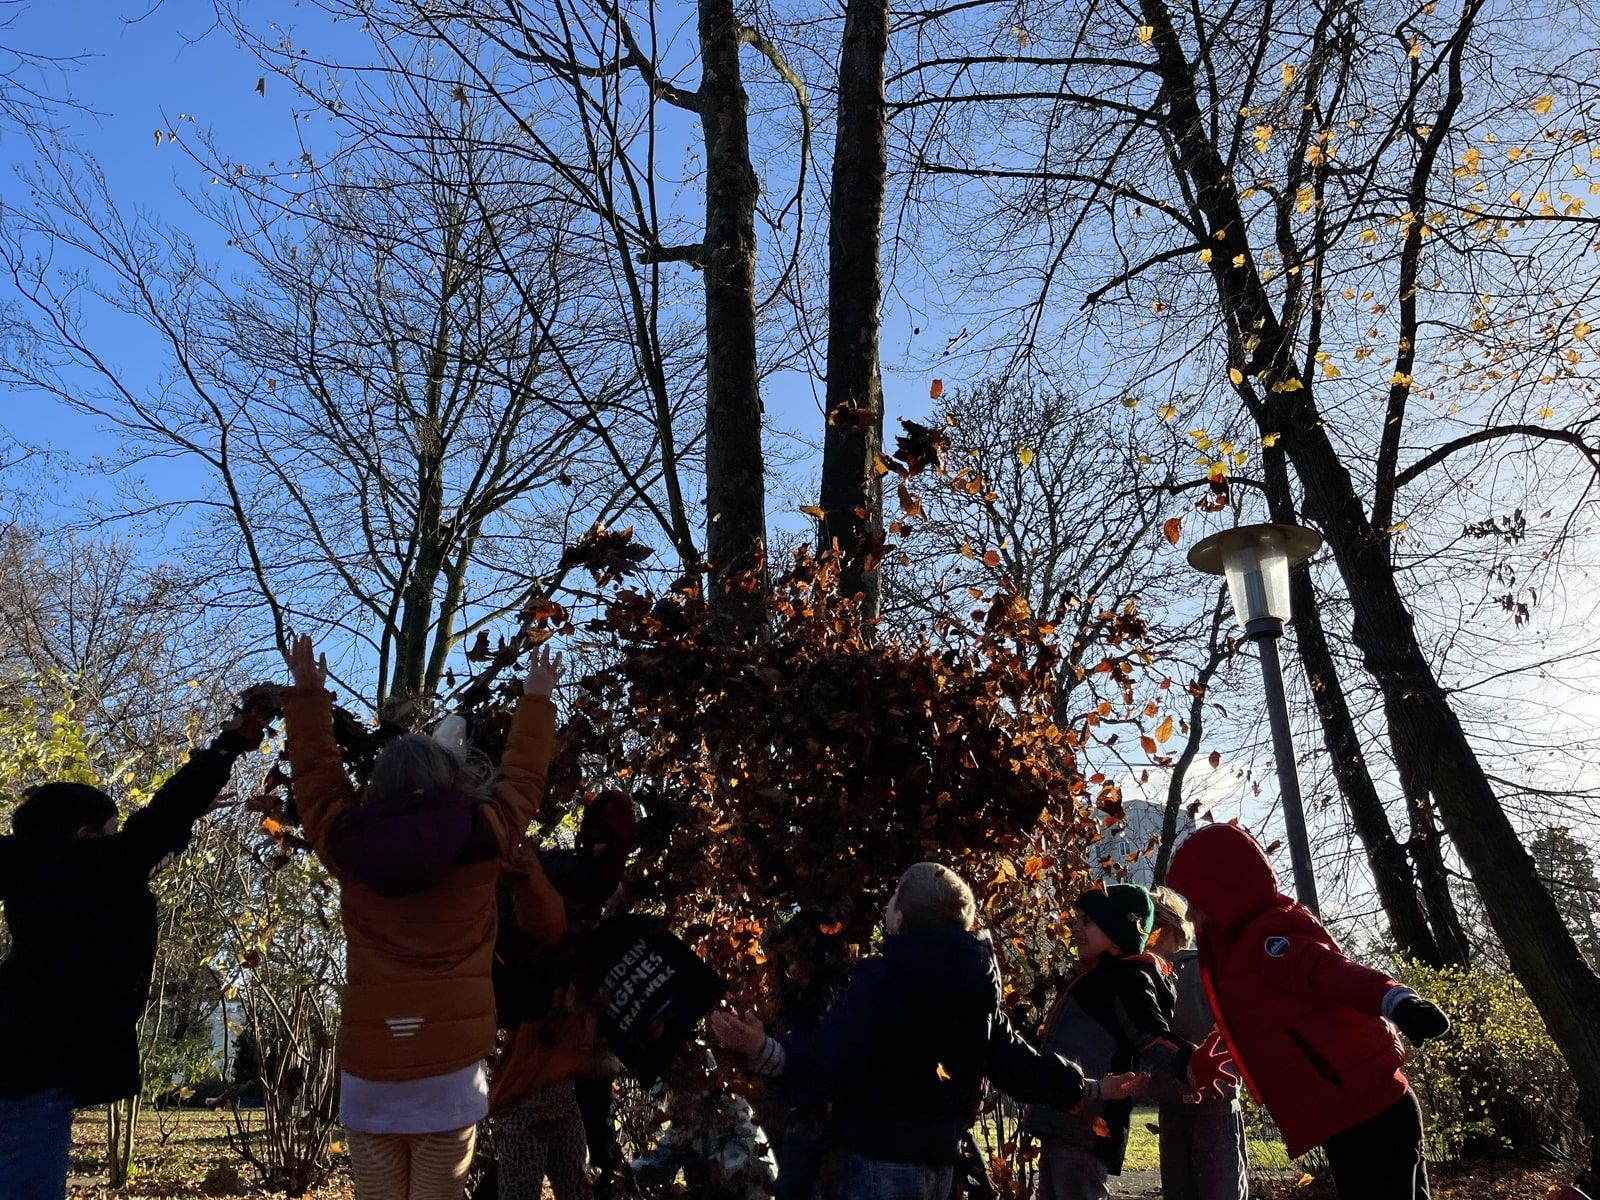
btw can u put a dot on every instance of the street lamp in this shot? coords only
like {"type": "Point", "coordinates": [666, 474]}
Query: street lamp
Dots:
{"type": "Point", "coordinates": [1257, 560]}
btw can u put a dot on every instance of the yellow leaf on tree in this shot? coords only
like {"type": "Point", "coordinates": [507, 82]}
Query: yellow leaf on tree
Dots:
{"type": "Point", "coordinates": [1288, 75]}
{"type": "Point", "coordinates": [1542, 105]}
{"type": "Point", "coordinates": [1368, 236]}
{"type": "Point", "coordinates": [1270, 439]}
{"type": "Point", "coordinates": [1168, 411]}
{"type": "Point", "coordinates": [1217, 472]}
{"type": "Point", "coordinates": [1546, 413]}
{"type": "Point", "coordinates": [1263, 136]}
{"type": "Point", "coordinates": [1305, 198]}
{"type": "Point", "coordinates": [1582, 330]}
{"type": "Point", "coordinates": [1146, 32]}
{"type": "Point", "coordinates": [1330, 370]}
{"type": "Point", "coordinates": [1164, 730]}
{"type": "Point", "coordinates": [1238, 259]}
{"type": "Point", "coordinates": [1400, 379]}
{"type": "Point", "coordinates": [1025, 456]}
{"type": "Point", "coordinates": [1202, 439]}
{"type": "Point", "coordinates": [1287, 385]}
{"type": "Point", "coordinates": [1235, 376]}
{"type": "Point", "coordinates": [1205, 255]}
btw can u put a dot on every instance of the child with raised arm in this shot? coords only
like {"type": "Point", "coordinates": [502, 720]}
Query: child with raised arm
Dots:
{"type": "Point", "coordinates": [1308, 1029]}
{"type": "Point", "coordinates": [83, 942]}
{"type": "Point", "coordinates": [1115, 1015]}
{"type": "Point", "coordinates": [904, 1053]}
{"type": "Point", "coordinates": [417, 858]}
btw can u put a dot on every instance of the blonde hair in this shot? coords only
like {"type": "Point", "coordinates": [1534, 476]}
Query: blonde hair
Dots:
{"type": "Point", "coordinates": [931, 896]}
{"type": "Point", "coordinates": [1172, 917]}
{"type": "Point", "coordinates": [416, 762]}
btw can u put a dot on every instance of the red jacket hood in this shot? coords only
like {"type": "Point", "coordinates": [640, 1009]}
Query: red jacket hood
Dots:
{"type": "Point", "coordinates": [1223, 871]}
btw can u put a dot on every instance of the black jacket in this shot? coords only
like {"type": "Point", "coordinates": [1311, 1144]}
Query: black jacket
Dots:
{"type": "Point", "coordinates": [83, 942]}
{"type": "Point", "coordinates": [1114, 1017]}
{"type": "Point", "coordinates": [904, 1053]}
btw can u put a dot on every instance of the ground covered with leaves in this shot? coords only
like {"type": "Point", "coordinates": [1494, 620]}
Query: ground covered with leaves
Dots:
{"type": "Point", "coordinates": [179, 1153]}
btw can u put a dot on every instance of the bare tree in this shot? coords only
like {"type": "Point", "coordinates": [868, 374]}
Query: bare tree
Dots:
{"type": "Point", "coordinates": [1345, 226]}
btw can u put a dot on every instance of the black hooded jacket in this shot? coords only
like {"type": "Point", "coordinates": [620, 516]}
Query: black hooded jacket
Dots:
{"type": "Point", "coordinates": [904, 1053]}
{"type": "Point", "coordinates": [83, 941]}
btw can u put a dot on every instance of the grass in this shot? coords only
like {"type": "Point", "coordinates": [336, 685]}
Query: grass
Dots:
{"type": "Point", "coordinates": [173, 1153]}
{"type": "Point", "coordinates": [1144, 1149]}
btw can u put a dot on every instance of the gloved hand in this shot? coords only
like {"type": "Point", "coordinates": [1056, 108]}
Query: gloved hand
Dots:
{"type": "Point", "coordinates": [1419, 1020]}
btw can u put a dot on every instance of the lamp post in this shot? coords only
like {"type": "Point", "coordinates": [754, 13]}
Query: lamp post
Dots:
{"type": "Point", "coordinates": [1257, 559]}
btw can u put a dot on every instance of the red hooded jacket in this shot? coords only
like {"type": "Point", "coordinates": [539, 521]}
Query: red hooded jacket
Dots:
{"type": "Point", "coordinates": [1299, 1019]}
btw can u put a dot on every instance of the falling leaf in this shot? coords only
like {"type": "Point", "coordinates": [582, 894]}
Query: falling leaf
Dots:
{"type": "Point", "coordinates": [1542, 105]}
{"type": "Point", "coordinates": [936, 389]}
{"type": "Point", "coordinates": [941, 1072]}
{"type": "Point", "coordinates": [1025, 456]}
{"type": "Point", "coordinates": [1130, 402]}
{"type": "Point", "coordinates": [1369, 236]}
{"type": "Point", "coordinates": [1171, 529]}
{"type": "Point", "coordinates": [261, 86]}
{"type": "Point", "coordinates": [1215, 759]}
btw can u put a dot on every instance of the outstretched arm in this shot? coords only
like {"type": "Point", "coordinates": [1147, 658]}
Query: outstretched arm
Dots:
{"type": "Point", "coordinates": [530, 746]}
{"type": "Point", "coordinates": [322, 789]}
{"type": "Point", "coordinates": [162, 827]}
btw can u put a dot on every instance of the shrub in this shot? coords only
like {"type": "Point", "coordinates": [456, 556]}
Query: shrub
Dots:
{"type": "Point", "coordinates": [1497, 1087]}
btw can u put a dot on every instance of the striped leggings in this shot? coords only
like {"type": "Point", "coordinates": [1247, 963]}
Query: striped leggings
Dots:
{"type": "Point", "coordinates": [419, 1166]}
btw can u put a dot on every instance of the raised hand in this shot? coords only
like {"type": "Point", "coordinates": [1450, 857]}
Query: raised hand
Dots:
{"type": "Point", "coordinates": [306, 668]}
{"type": "Point", "coordinates": [737, 1032]}
{"type": "Point", "coordinates": [544, 672]}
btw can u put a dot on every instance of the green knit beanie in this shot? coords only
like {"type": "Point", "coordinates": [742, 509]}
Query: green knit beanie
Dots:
{"type": "Point", "coordinates": [1124, 911]}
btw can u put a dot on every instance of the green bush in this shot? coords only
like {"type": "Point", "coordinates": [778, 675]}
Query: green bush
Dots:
{"type": "Point", "coordinates": [1496, 1087]}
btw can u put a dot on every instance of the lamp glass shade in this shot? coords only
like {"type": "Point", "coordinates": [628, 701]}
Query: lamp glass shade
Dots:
{"type": "Point", "coordinates": [1258, 579]}
{"type": "Point", "coordinates": [1256, 560]}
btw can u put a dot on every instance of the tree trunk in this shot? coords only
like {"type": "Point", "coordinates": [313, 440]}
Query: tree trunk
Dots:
{"type": "Point", "coordinates": [1427, 854]}
{"type": "Point", "coordinates": [736, 512]}
{"type": "Point", "coordinates": [852, 488]}
{"type": "Point", "coordinates": [1216, 654]}
{"type": "Point", "coordinates": [1386, 857]}
{"type": "Point", "coordinates": [1540, 947]}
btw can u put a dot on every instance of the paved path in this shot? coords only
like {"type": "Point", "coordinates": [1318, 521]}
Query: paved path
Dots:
{"type": "Point", "coordinates": [1137, 1185]}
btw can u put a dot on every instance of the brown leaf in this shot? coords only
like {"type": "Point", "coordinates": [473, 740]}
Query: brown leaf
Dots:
{"type": "Point", "coordinates": [1172, 529]}
{"type": "Point", "coordinates": [936, 389]}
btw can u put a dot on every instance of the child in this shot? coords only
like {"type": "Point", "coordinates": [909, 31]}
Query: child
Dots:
{"type": "Point", "coordinates": [904, 1053]}
{"type": "Point", "coordinates": [1114, 1016]}
{"type": "Point", "coordinates": [417, 861]}
{"type": "Point", "coordinates": [1305, 1026]}
{"type": "Point", "coordinates": [83, 943]}
{"type": "Point", "coordinates": [538, 1125]}
{"type": "Point", "coordinates": [1202, 1137]}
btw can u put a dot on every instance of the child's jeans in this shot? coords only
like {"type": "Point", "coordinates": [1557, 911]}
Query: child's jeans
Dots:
{"type": "Point", "coordinates": [1068, 1172]}
{"type": "Point", "coordinates": [35, 1143]}
{"type": "Point", "coordinates": [1381, 1158]}
{"type": "Point", "coordinates": [874, 1179]}
{"type": "Point", "coordinates": [1203, 1152]}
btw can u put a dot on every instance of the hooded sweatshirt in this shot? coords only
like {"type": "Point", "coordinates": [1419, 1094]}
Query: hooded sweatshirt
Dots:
{"type": "Point", "coordinates": [904, 1053]}
{"type": "Point", "coordinates": [1303, 1024]}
